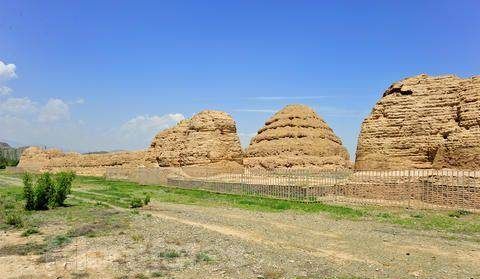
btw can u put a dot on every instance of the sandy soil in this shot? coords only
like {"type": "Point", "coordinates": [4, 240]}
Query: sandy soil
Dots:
{"type": "Point", "coordinates": [235, 243]}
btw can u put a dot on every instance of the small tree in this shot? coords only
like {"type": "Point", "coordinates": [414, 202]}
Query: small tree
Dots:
{"type": "Point", "coordinates": [147, 198]}
{"type": "Point", "coordinates": [3, 162]}
{"type": "Point", "coordinates": [44, 190]}
{"type": "Point", "coordinates": [63, 187]}
{"type": "Point", "coordinates": [28, 193]}
{"type": "Point", "coordinates": [48, 192]}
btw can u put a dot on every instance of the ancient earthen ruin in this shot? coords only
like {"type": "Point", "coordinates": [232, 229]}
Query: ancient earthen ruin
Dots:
{"type": "Point", "coordinates": [208, 140]}
{"type": "Point", "coordinates": [36, 159]}
{"type": "Point", "coordinates": [423, 122]}
{"type": "Point", "coordinates": [420, 122]}
{"type": "Point", "coordinates": [209, 137]}
{"type": "Point", "coordinates": [296, 137]}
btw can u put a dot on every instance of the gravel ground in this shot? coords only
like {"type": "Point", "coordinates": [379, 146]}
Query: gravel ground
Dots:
{"type": "Point", "coordinates": [186, 241]}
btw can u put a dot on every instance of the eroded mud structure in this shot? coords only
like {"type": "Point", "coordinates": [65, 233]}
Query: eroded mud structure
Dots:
{"type": "Point", "coordinates": [423, 122]}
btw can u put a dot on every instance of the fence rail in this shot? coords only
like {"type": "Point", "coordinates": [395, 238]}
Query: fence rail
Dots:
{"type": "Point", "coordinates": [413, 188]}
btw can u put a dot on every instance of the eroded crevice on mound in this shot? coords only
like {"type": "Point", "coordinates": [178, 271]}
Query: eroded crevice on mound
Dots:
{"type": "Point", "coordinates": [296, 137]}
{"type": "Point", "coordinates": [440, 111]}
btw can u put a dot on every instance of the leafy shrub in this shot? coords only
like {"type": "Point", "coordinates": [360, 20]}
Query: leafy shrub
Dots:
{"type": "Point", "coordinates": [44, 191]}
{"type": "Point", "coordinates": [28, 192]}
{"type": "Point", "coordinates": [203, 257]}
{"type": "Point", "coordinates": [60, 240]}
{"type": "Point", "coordinates": [50, 191]}
{"type": "Point", "coordinates": [146, 200]}
{"type": "Point", "coordinates": [14, 219]}
{"type": "Point", "coordinates": [63, 187]}
{"type": "Point", "coordinates": [169, 254]}
{"type": "Point", "coordinates": [6, 162]}
{"type": "Point", "coordinates": [459, 213]}
{"type": "Point", "coordinates": [30, 231]}
{"type": "Point", "coordinates": [136, 202]}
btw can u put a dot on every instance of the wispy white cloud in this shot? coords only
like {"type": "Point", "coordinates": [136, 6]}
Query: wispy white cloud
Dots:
{"type": "Point", "coordinates": [51, 123]}
{"type": "Point", "coordinates": [54, 110]}
{"type": "Point", "coordinates": [5, 91]}
{"type": "Point", "coordinates": [79, 101]}
{"type": "Point", "coordinates": [340, 112]}
{"type": "Point", "coordinates": [274, 98]}
{"type": "Point", "coordinates": [147, 126]}
{"type": "Point", "coordinates": [256, 110]}
{"type": "Point", "coordinates": [17, 106]}
{"type": "Point", "coordinates": [7, 71]}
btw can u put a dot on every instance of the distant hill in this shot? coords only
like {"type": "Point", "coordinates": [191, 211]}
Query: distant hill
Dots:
{"type": "Point", "coordinates": [11, 153]}
{"type": "Point", "coordinates": [4, 145]}
{"type": "Point", "coordinates": [103, 152]}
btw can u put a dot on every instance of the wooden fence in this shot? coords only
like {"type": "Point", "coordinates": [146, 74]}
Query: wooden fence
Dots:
{"type": "Point", "coordinates": [412, 188]}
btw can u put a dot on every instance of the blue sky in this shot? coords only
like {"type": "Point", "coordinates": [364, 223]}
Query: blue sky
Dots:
{"type": "Point", "coordinates": [91, 75]}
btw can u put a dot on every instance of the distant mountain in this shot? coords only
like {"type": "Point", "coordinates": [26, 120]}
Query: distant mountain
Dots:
{"type": "Point", "coordinates": [11, 153]}
{"type": "Point", "coordinates": [11, 143]}
{"type": "Point", "coordinates": [4, 145]}
{"type": "Point", "coordinates": [103, 152]}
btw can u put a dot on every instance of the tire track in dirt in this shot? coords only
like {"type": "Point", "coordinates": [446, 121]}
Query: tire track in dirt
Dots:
{"type": "Point", "coordinates": [249, 236]}
{"type": "Point", "coordinates": [259, 239]}
{"type": "Point", "coordinates": [10, 181]}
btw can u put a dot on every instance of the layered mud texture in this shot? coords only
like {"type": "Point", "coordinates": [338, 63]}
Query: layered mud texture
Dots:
{"type": "Point", "coordinates": [38, 160]}
{"type": "Point", "coordinates": [209, 137]}
{"type": "Point", "coordinates": [296, 137]}
{"type": "Point", "coordinates": [423, 122]}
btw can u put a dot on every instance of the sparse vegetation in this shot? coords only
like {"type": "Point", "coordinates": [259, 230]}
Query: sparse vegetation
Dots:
{"type": "Point", "coordinates": [157, 274]}
{"type": "Point", "coordinates": [7, 162]}
{"type": "Point", "coordinates": [136, 202]}
{"type": "Point", "coordinates": [169, 254]}
{"type": "Point", "coordinates": [30, 231]}
{"type": "Point", "coordinates": [14, 218]}
{"type": "Point", "coordinates": [203, 257]}
{"type": "Point", "coordinates": [49, 191]}
{"type": "Point", "coordinates": [459, 213]}
{"type": "Point", "coordinates": [88, 213]}
{"type": "Point", "coordinates": [60, 240]}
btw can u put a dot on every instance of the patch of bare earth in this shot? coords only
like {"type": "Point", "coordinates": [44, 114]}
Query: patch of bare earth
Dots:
{"type": "Point", "coordinates": [187, 241]}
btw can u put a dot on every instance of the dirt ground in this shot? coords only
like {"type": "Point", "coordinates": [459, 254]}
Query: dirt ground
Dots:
{"type": "Point", "coordinates": [187, 241]}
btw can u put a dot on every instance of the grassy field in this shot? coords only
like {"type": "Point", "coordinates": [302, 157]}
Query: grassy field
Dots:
{"type": "Point", "coordinates": [162, 238]}
{"type": "Point", "coordinates": [121, 193]}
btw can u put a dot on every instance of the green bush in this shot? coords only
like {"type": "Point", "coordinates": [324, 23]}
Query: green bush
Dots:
{"type": "Point", "coordinates": [30, 231]}
{"type": "Point", "coordinates": [14, 219]}
{"type": "Point", "coordinates": [28, 194]}
{"type": "Point", "coordinates": [6, 162]}
{"type": "Point", "coordinates": [48, 192]}
{"type": "Point", "coordinates": [146, 200]}
{"type": "Point", "coordinates": [136, 202]}
{"type": "Point", "coordinates": [63, 187]}
{"type": "Point", "coordinates": [44, 192]}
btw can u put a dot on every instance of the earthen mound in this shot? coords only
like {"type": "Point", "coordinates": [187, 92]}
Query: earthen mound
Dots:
{"type": "Point", "coordinates": [38, 160]}
{"type": "Point", "coordinates": [209, 137]}
{"type": "Point", "coordinates": [423, 122]}
{"type": "Point", "coordinates": [296, 137]}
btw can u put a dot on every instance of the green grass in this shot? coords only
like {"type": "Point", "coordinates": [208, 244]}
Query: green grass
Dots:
{"type": "Point", "coordinates": [203, 257]}
{"type": "Point", "coordinates": [30, 231]}
{"type": "Point", "coordinates": [169, 254]}
{"type": "Point", "coordinates": [121, 193]}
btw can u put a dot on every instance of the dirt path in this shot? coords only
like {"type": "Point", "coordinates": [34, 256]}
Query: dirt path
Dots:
{"type": "Point", "coordinates": [10, 181]}
{"type": "Point", "coordinates": [313, 241]}
{"type": "Point", "coordinates": [221, 242]}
